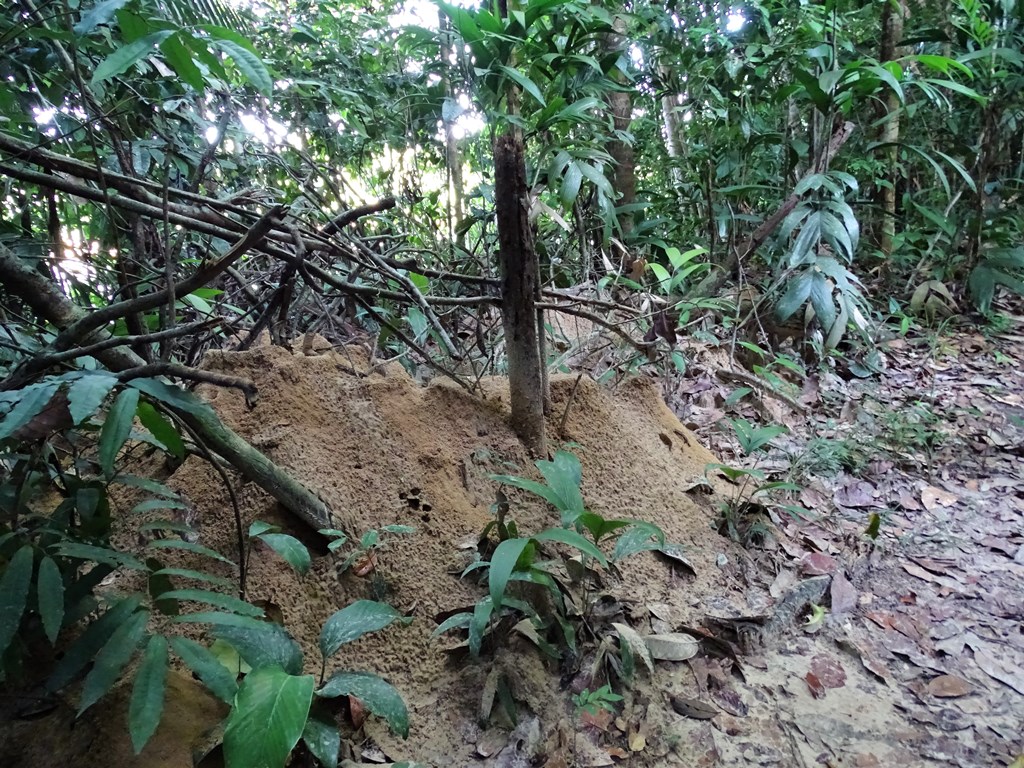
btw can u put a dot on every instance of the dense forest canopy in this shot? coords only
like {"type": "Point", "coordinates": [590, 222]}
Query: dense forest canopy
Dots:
{"type": "Point", "coordinates": [440, 183]}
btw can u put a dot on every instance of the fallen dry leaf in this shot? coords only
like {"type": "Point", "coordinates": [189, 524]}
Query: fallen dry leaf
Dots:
{"type": "Point", "coordinates": [818, 564]}
{"type": "Point", "coordinates": [933, 498]}
{"type": "Point", "coordinates": [674, 646]}
{"type": "Point", "coordinates": [828, 671]}
{"type": "Point", "coordinates": [814, 685]}
{"type": "Point", "coordinates": [843, 594]}
{"type": "Point", "coordinates": [695, 708]}
{"type": "Point", "coordinates": [948, 686]}
{"type": "Point", "coordinates": [637, 742]}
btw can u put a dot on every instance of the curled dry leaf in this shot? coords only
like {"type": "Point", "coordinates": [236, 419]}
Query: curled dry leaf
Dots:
{"type": "Point", "coordinates": [674, 646]}
{"type": "Point", "coordinates": [948, 686]}
{"type": "Point", "coordinates": [693, 708]}
{"type": "Point", "coordinates": [814, 685]}
{"type": "Point", "coordinates": [933, 498]}
{"type": "Point", "coordinates": [636, 644]}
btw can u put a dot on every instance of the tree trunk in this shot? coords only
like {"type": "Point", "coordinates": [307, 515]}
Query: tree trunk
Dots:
{"type": "Point", "coordinates": [519, 283]}
{"type": "Point", "coordinates": [621, 150]}
{"type": "Point", "coordinates": [893, 14]}
{"type": "Point", "coordinates": [46, 300]}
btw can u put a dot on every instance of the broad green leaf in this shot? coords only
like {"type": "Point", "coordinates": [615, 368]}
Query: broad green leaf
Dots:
{"type": "Point", "coordinates": [153, 504]}
{"type": "Point", "coordinates": [570, 187]}
{"type": "Point", "coordinates": [31, 401]}
{"type": "Point", "coordinates": [127, 55]}
{"type": "Point", "coordinates": [503, 563]}
{"type": "Point", "coordinates": [174, 396]}
{"type": "Point", "coordinates": [207, 668]}
{"type": "Point", "coordinates": [163, 430]}
{"type": "Point", "coordinates": [291, 549]}
{"type": "Point", "coordinates": [323, 741]}
{"type": "Point", "coordinates": [216, 599]}
{"type": "Point", "coordinates": [378, 696]}
{"type": "Point", "coordinates": [116, 428]}
{"type": "Point", "coordinates": [78, 551]}
{"type": "Point", "coordinates": [188, 546]}
{"type": "Point", "coordinates": [100, 13]}
{"type": "Point", "coordinates": [523, 82]}
{"type": "Point", "coordinates": [86, 395]}
{"type": "Point", "coordinates": [268, 718]}
{"type": "Point", "coordinates": [50, 597]}
{"type": "Point", "coordinates": [458, 621]}
{"type": "Point", "coordinates": [258, 527]}
{"type": "Point", "coordinates": [262, 644]}
{"type": "Point", "coordinates": [573, 539]}
{"type": "Point", "coordinates": [641, 536]}
{"type": "Point", "coordinates": [180, 58]}
{"type": "Point", "coordinates": [532, 486]}
{"type": "Point", "coordinates": [797, 292]}
{"type": "Point", "coordinates": [112, 659]}
{"type": "Point", "coordinates": [249, 64]}
{"type": "Point", "coordinates": [187, 573]}
{"type": "Point", "coordinates": [146, 705]}
{"type": "Point", "coordinates": [482, 613]}
{"type": "Point", "coordinates": [85, 648]}
{"type": "Point", "coordinates": [14, 587]}
{"type": "Point", "coordinates": [146, 484]}
{"type": "Point", "coordinates": [352, 622]}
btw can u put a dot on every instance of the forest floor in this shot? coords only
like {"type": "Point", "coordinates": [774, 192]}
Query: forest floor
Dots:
{"type": "Point", "coordinates": [880, 626]}
{"type": "Point", "coordinates": [914, 478]}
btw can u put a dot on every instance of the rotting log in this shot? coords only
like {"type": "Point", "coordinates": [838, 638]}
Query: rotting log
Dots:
{"type": "Point", "coordinates": [47, 301]}
{"type": "Point", "coordinates": [517, 259]}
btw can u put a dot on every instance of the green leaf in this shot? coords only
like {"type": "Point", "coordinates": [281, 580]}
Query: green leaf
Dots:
{"type": "Point", "coordinates": [532, 486]}
{"type": "Point", "coordinates": [101, 13]}
{"type": "Point", "coordinates": [641, 536]}
{"type": "Point", "coordinates": [127, 55]}
{"type": "Point", "coordinates": [85, 648]}
{"type": "Point", "coordinates": [180, 58]}
{"type": "Point", "coordinates": [249, 64]}
{"type": "Point", "coordinates": [570, 188]}
{"type": "Point", "coordinates": [163, 430]}
{"type": "Point", "coordinates": [86, 395]}
{"type": "Point", "coordinates": [187, 573]}
{"type": "Point", "coordinates": [258, 527]}
{"type": "Point", "coordinates": [261, 644]}
{"type": "Point", "coordinates": [174, 396]}
{"type": "Point", "coordinates": [268, 718]}
{"type": "Point", "coordinates": [379, 697]}
{"type": "Point", "coordinates": [573, 539]}
{"type": "Point", "coordinates": [77, 551]}
{"type": "Point", "coordinates": [207, 668]}
{"type": "Point", "coordinates": [352, 622]}
{"type": "Point", "coordinates": [323, 740]}
{"type": "Point", "coordinates": [146, 484]}
{"type": "Point", "coordinates": [797, 292]}
{"type": "Point", "coordinates": [503, 563]}
{"type": "Point", "coordinates": [116, 428]}
{"type": "Point", "coordinates": [291, 549]}
{"type": "Point", "coordinates": [147, 703]}
{"type": "Point", "coordinates": [188, 546]}
{"type": "Point", "coordinates": [31, 401]}
{"type": "Point", "coordinates": [216, 599]}
{"type": "Point", "coordinates": [482, 613]}
{"type": "Point", "coordinates": [112, 659]}
{"type": "Point", "coordinates": [50, 596]}
{"type": "Point", "coordinates": [14, 593]}
{"type": "Point", "coordinates": [523, 82]}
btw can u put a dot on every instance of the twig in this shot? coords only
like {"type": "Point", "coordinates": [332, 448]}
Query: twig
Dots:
{"type": "Point", "coordinates": [568, 404]}
{"type": "Point", "coordinates": [193, 374]}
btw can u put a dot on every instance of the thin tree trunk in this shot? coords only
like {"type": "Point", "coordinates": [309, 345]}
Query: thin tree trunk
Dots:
{"type": "Point", "coordinates": [893, 14]}
{"type": "Point", "coordinates": [621, 150]}
{"type": "Point", "coordinates": [519, 282]}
